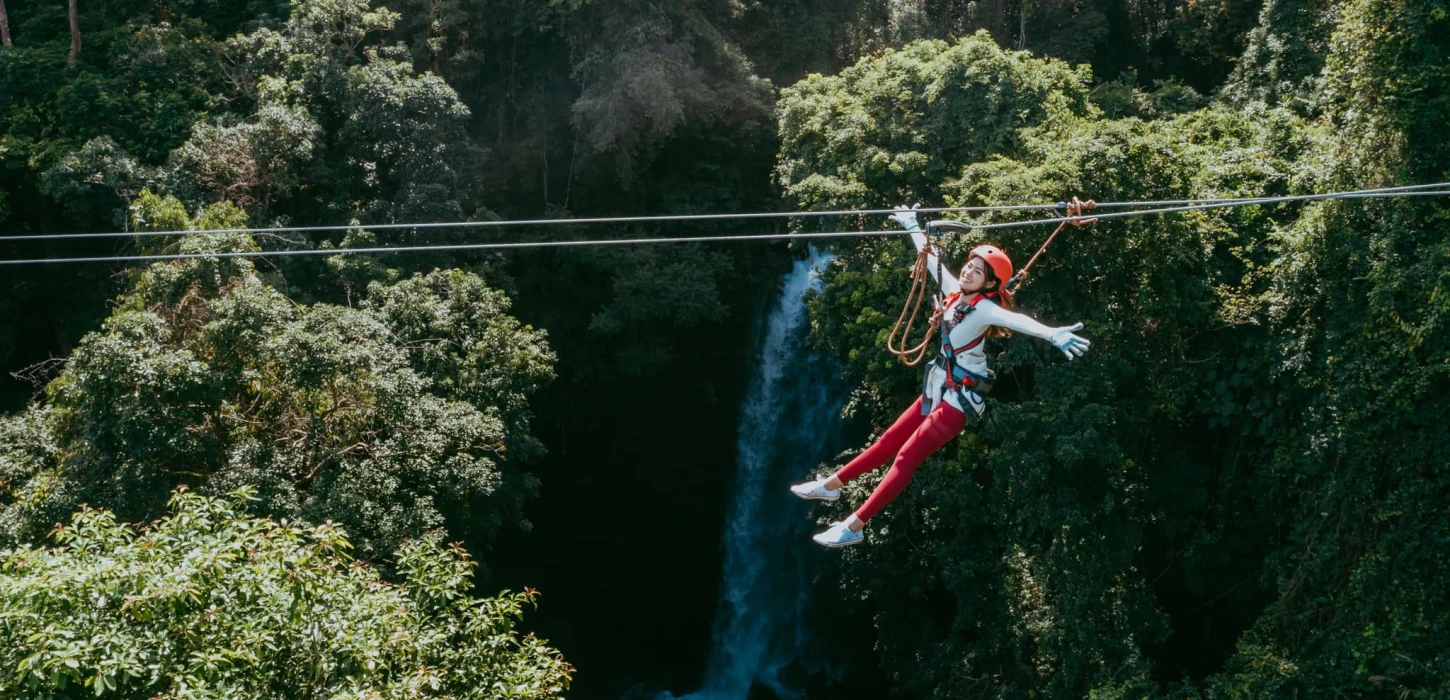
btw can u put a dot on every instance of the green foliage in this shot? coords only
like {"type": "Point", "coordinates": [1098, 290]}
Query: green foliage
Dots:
{"type": "Point", "coordinates": [1254, 439]}
{"type": "Point", "coordinates": [95, 176]}
{"type": "Point", "coordinates": [1361, 574]}
{"type": "Point", "coordinates": [151, 79]}
{"type": "Point", "coordinates": [1284, 55]}
{"type": "Point", "coordinates": [1083, 478]}
{"type": "Point", "coordinates": [1244, 468]}
{"type": "Point", "coordinates": [1124, 98]}
{"type": "Point", "coordinates": [1210, 34]}
{"type": "Point", "coordinates": [207, 602]}
{"type": "Point", "coordinates": [250, 163]}
{"type": "Point", "coordinates": [1070, 30]}
{"type": "Point", "coordinates": [895, 127]}
{"type": "Point", "coordinates": [458, 332]}
{"type": "Point", "coordinates": [336, 127]}
{"type": "Point", "coordinates": [399, 416]}
{"type": "Point", "coordinates": [293, 119]}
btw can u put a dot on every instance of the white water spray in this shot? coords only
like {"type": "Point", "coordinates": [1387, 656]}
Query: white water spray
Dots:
{"type": "Point", "coordinates": [789, 422]}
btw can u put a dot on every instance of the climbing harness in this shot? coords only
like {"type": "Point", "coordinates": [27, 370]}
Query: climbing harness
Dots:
{"type": "Point", "coordinates": [954, 309]}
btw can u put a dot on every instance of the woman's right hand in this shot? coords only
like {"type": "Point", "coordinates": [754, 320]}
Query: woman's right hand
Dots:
{"type": "Point", "coordinates": [1069, 343]}
{"type": "Point", "coordinates": [906, 216]}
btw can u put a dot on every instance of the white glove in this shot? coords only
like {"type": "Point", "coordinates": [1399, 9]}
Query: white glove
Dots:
{"type": "Point", "coordinates": [906, 217]}
{"type": "Point", "coordinates": [1068, 343]}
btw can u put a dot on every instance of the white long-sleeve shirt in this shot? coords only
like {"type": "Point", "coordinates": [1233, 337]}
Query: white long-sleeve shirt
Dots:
{"type": "Point", "coordinates": [976, 323]}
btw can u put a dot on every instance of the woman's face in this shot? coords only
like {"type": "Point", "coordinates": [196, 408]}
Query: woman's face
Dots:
{"type": "Point", "coordinates": [974, 275]}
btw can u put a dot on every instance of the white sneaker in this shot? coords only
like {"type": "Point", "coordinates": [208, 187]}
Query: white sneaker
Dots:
{"type": "Point", "coordinates": [838, 535]}
{"type": "Point", "coordinates": [815, 491]}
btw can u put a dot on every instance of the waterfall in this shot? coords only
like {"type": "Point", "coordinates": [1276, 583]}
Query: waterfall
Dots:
{"type": "Point", "coordinates": [789, 423]}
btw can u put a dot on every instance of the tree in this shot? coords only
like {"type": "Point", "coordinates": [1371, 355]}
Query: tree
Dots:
{"type": "Point", "coordinates": [1211, 503]}
{"type": "Point", "coordinates": [97, 176]}
{"type": "Point", "coordinates": [402, 415]}
{"type": "Point", "coordinates": [1069, 543]}
{"type": "Point", "coordinates": [253, 163]}
{"type": "Point", "coordinates": [1285, 54]}
{"type": "Point", "coordinates": [369, 135]}
{"type": "Point", "coordinates": [896, 127]}
{"type": "Point", "coordinates": [648, 71]}
{"type": "Point", "coordinates": [4, 26]}
{"type": "Point", "coordinates": [1085, 481]}
{"type": "Point", "coordinates": [209, 602]}
{"type": "Point", "coordinates": [75, 34]}
{"type": "Point", "coordinates": [1360, 572]}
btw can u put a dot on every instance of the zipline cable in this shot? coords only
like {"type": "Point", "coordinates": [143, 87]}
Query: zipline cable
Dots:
{"type": "Point", "coordinates": [1365, 194]}
{"type": "Point", "coordinates": [1234, 203]}
{"type": "Point", "coordinates": [526, 222]}
{"type": "Point", "coordinates": [688, 217]}
{"type": "Point", "coordinates": [1176, 202]}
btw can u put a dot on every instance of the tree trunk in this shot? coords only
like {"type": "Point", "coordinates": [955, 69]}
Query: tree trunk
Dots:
{"type": "Point", "coordinates": [75, 34]}
{"type": "Point", "coordinates": [1022, 27]}
{"type": "Point", "coordinates": [4, 26]}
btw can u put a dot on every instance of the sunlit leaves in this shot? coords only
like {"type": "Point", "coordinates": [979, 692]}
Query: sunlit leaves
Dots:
{"type": "Point", "coordinates": [207, 602]}
{"type": "Point", "coordinates": [404, 414]}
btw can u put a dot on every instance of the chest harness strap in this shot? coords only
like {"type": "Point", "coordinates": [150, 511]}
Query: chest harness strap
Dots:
{"type": "Point", "coordinates": [958, 378]}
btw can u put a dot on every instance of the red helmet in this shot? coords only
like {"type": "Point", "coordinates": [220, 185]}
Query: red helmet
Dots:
{"type": "Point", "coordinates": [996, 259]}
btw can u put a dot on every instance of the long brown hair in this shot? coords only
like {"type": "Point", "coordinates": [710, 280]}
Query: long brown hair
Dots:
{"type": "Point", "coordinates": [1002, 297]}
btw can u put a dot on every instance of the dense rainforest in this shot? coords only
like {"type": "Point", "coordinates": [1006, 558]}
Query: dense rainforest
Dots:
{"type": "Point", "coordinates": [346, 475]}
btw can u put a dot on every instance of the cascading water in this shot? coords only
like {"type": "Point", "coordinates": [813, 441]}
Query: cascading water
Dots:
{"type": "Point", "coordinates": [789, 422]}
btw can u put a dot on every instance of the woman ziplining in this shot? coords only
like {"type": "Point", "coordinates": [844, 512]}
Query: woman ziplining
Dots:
{"type": "Point", "coordinates": [969, 309]}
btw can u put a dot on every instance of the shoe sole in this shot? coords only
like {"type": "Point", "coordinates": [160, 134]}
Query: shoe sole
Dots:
{"type": "Point", "coordinates": [839, 545]}
{"type": "Point", "coordinates": [837, 497]}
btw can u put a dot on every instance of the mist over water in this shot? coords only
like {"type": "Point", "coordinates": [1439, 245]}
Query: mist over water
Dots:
{"type": "Point", "coordinates": [789, 424]}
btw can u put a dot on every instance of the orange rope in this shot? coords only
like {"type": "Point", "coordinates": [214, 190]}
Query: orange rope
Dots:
{"type": "Point", "coordinates": [920, 276]}
{"type": "Point", "coordinates": [1074, 210]}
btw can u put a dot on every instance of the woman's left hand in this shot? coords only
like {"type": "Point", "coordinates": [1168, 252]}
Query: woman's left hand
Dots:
{"type": "Point", "coordinates": [1070, 345]}
{"type": "Point", "coordinates": [906, 217]}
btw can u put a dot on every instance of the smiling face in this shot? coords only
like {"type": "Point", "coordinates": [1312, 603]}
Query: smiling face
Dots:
{"type": "Point", "coordinates": [975, 277]}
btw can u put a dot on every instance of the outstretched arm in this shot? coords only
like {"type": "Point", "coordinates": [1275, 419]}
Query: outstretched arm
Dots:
{"type": "Point", "coordinates": [1070, 345]}
{"type": "Point", "coordinates": [907, 218]}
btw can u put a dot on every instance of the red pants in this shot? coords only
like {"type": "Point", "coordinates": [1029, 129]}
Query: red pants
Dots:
{"type": "Point", "coordinates": [912, 439]}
